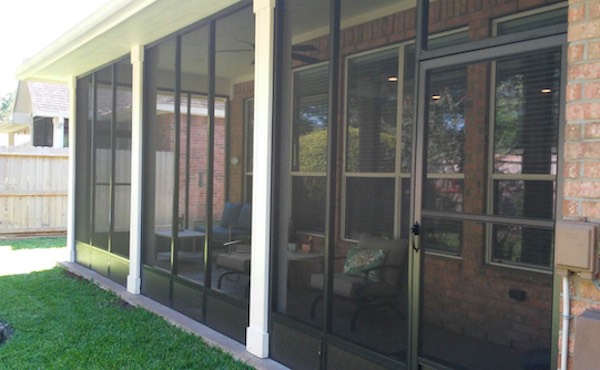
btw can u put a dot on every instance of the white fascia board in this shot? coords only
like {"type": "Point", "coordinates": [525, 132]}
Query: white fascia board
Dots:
{"type": "Point", "coordinates": [110, 33]}
{"type": "Point", "coordinates": [7, 128]}
{"type": "Point", "coordinates": [106, 17]}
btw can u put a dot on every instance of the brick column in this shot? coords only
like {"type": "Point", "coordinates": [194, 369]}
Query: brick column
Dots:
{"type": "Point", "coordinates": [582, 137]}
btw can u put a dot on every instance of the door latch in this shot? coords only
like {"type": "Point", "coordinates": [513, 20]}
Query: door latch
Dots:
{"type": "Point", "coordinates": [416, 230]}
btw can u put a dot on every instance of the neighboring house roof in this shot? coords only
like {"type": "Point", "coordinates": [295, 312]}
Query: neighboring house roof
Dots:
{"type": "Point", "coordinates": [49, 100]}
{"type": "Point", "coordinates": [37, 99]}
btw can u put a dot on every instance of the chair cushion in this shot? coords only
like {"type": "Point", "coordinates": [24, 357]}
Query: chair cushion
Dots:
{"type": "Point", "coordinates": [343, 285]}
{"type": "Point", "coordinates": [231, 212]}
{"type": "Point", "coordinates": [348, 286]}
{"type": "Point", "coordinates": [395, 255]}
{"type": "Point", "coordinates": [244, 222]}
{"type": "Point", "coordinates": [359, 259]}
{"type": "Point", "coordinates": [239, 262]}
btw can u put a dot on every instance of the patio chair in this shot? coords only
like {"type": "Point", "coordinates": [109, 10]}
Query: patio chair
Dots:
{"type": "Point", "coordinates": [235, 261]}
{"type": "Point", "coordinates": [235, 223]}
{"type": "Point", "coordinates": [371, 278]}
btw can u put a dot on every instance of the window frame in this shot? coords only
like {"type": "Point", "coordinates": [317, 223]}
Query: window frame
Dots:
{"type": "Point", "coordinates": [398, 175]}
{"type": "Point", "coordinates": [493, 177]}
{"type": "Point", "coordinates": [299, 174]}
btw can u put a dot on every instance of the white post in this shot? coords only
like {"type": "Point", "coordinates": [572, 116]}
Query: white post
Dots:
{"type": "Point", "coordinates": [58, 132]}
{"type": "Point", "coordinates": [71, 176]}
{"type": "Point", "coordinates": [135, 237]}
{"type": "Point", "coordinates": [257, 335]}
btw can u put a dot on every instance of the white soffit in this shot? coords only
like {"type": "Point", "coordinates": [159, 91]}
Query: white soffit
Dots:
{"type": "Point", "coordinates": [110, 32]}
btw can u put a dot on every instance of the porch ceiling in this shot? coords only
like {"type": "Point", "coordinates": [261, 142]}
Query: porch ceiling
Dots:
{"type": "Point", "coordinates": [110, 32]}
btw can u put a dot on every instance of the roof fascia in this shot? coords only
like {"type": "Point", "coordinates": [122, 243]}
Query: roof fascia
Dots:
{"type": "Point", "coordinates": [105, 18]}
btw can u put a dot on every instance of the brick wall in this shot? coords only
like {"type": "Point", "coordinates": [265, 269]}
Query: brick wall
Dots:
{"type": "Point", "coordinates": [582, 137]}
{"type": "Point", "coordinates": [241, 92]}
{"type": "Point", "coordinates": [467, 296]}
{"type": "Point", "coordinates": [198, 163]}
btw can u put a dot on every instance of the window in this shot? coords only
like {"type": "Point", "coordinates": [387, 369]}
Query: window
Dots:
{"type": "Point", "coordinates": [524, 157]}
{"type": "Point", "coordinates": [549, 16]}
{"type": "Point", "coordinates": [443, 190]}
{"type": "Point", "coordinates": [377, 147]}
{"type": "Point", "coordinates": [309, 148]}
{"type": "Point", "coordinates": [378, 139]}
{"type": "Point", "coordinates": [42, 132]}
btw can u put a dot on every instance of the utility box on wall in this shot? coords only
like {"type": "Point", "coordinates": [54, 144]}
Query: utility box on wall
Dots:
{"type": "Point", "coordinates": [576, 248]}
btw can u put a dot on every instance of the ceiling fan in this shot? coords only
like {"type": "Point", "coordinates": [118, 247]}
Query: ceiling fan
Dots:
{"type": "Point", "coordinates": [296, 51]}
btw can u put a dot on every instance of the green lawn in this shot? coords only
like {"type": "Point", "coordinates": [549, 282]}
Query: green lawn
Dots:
{"type": "Point", "coordinates": [35, 243]}
{"type": "Point", "coordinates": [63, 322]}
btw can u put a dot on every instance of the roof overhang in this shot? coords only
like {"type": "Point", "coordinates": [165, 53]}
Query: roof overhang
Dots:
{"type": "Point", "coordinates": [8, 127]}
{"type": "Point", "coordinates": [111, 31]}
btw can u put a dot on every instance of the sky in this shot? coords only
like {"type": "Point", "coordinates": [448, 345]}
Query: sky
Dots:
{"type": "Point", "coordinates": [28, 26]}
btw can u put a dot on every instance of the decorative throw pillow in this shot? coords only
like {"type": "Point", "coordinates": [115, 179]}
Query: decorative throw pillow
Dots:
{"type": "Point", "coordinates": [359, 259]}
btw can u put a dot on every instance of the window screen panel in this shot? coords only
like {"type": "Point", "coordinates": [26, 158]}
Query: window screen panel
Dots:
{"type": "Point", "coordinates": [408, 106]}
{"type": "Point", "coordinates": [444, 195]}
{"type": "Point", "coordinates": [522, 245]}
{"type": "Point", "coordinates": [446, 126]}
{"type": "Point", "coordinates": [308, 203]}
{"type": "Point", "coordinates": [442, 236]}
{"type": "Point", "coordinates": [526, 114]}
{"type": "Point", "coordinates": [520, 198]}
{"type": "Point", "coordinates": [372, 112]}
{"type": "Point", "coordinates": [370, 206]}
{"type": "Point", "coordinates": [309, 145]}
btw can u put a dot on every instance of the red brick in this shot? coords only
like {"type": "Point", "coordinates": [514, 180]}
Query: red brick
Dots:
{"type": "Point", "coordinates": [592, 130]}
{"type": "Point", "coordinates": [574, 91]}
{"type": "Point", "coordinates": [591, 90]}
{"type": "Point", "coordinates": [583, 111]}
{"type": "Point", "coordinates": [593, 50]}
{"type": "Point", "coordinates": [571, 209]}
{"type": "Point", "coordinates": [572, 170]}
{"type": "Point", "coordinates": [587, 290]}
{"type": "Point", "coordinates": [576, 52]}
{"type": "Point", "coordinates": [573, 132]}
{"type": "Point", "coordinates": [591, 150]}
{"type": "Point", "coordinates": [526, 4]}
{"type": "Point", "coordinates": [582, 189]}
{"type": "Point", "coordinates": [576, 12]}
{"type": "Point", "coordinates": [593, 9]}
{"type": "Point", "coordinates": [584, 30]}
{"type": "Point", "coordinates": [591, 210]}
{"type": "Point", "coordinates": [587, 71]}
{"type": "Point", "coordinates": [573, 151]}
{"type": "Point", "coordinates": [591, 170]}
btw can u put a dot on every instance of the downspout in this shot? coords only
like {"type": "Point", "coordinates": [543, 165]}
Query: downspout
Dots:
{"type": "Point", "coordinates": [566, 316]}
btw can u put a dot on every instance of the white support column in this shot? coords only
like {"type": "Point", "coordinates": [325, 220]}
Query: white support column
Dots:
{"type": "Point", "coordinates": [58, 132]}
{"type": "Point", "coordinates": [71, 176]}
{"type": "Point", "coordinates": [135, 237]}
{"type": "Point", "coordinates": [257, 335]}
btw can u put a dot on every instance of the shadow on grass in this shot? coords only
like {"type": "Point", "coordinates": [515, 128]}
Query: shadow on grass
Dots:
{"type": "Point", "coordinates": [35, 243]}
{"type": "Point", "coordinates": [61, 322]}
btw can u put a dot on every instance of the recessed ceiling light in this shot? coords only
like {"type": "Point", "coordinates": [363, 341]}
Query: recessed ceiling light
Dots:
{"type": "Point", "coordinates": [436, 97]}
{"type": "Point", "coordinates": [546, 91]}
{"type": "Point", "coordinates": [393, 79]}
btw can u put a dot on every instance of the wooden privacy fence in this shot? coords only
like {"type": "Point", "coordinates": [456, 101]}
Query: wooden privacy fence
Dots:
{"type": "Point", "coordinates": [33, 190]}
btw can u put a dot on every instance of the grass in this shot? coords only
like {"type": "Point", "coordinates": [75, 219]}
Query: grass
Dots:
{"type": "Point", "coordinates": [35, 243]}
{"type": "Point", "coordinates": [62, 322]}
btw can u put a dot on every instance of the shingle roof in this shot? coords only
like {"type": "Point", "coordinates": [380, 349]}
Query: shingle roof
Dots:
{"type": "Point", "coordinates": [49, 100]}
